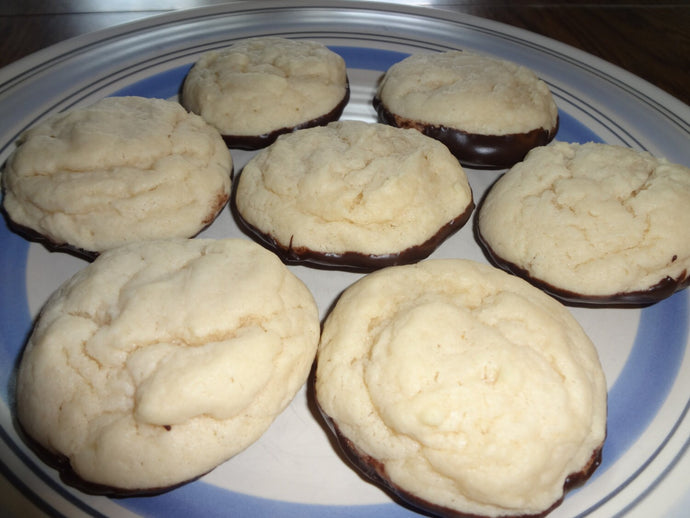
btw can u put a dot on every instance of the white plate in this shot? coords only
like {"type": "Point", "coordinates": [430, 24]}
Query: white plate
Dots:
{"type": "Point", "coordinates": [294, 470]}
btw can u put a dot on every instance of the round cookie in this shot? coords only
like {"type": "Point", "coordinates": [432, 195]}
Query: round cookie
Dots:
{"type": "Point", "coordinates": [591, 223]}
{"type": "Point", "coordinates": [161, 360]}
{"type": "Point", "coordinates": [353, 195]}
{"type": "Point", "coordinates": [124, 169]}
{"type": "Point", "coordinates": [462, 389]}
{"type": "Point", "coordinates": [488, 111]}
{"type": "Point", "coordinates": [263, 87]}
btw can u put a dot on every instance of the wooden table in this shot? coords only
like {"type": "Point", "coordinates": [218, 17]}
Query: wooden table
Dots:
{"type": "Point", "coordinates": [648, 38]}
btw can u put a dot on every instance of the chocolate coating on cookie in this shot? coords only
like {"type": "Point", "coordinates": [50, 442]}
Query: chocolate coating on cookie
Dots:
{"type": "Point", "coordinates": [31, 235]}
{"type": "Point", "coordinates": [62, 465]}
{"type": "Point", "coordinates": [253, 142]}
{"type": "Point", "coordinates": [351, 261]}
{"type": "Point", "coordinates": [639, 298]}
{"type": "Point", "coordinates": [375, 471]}
{"type": "Point", "coordinates": [471, 149]}
{"type": "Point", "coordinates": [90, 255]}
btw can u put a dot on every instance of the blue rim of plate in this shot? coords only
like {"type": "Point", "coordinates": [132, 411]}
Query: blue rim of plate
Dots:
{"type": "Point", "coordinates": [663, 326]}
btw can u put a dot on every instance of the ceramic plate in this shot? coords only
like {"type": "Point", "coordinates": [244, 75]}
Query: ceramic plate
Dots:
{"type": "Point", "coordinates": [294, 470]}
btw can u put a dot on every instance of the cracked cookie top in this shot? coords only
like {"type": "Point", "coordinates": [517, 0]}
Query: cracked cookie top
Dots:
{"type": "Point", "coordinates": [260, 85]}
{"type": "Point", "coordinates": [466, 91]}
{"type": "Point", "coordinates": [354, 193]}
{"type": "Point", "coordinates": [121, 170]}
{"type": "Point", "coordinates": [592, 222]}
{"type": "Point", "coordinates": [161, 360]}
{"type": "Point", "coordinates": [463, 389]}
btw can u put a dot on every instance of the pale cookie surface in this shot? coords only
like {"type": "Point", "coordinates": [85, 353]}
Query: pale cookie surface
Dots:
{"type": "Point", "coordinates": [476, 392]}
{"type": "Point", "coordinates": [260, 85]}
{"type": "Point", "coordinates": [161, 360]}
{"type": "Point", "coordinates": [470, 92]}
{"type": "Point", "coordinates": [121, 170]}
{"type": "Point", "coordinates": [354, 188]}
{"type": "Point", "coordinates": [592, 222]}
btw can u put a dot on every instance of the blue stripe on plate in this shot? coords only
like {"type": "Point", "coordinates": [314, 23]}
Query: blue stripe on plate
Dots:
{"type": "Point", "coordinates": [368, 59]}
{"type": "Point", "coordinates": [649, 373]}
{"type": "Point", "coordinates": [210, 502]}
{"type": "Point", "coordinates": [162, 86]}
{"type": "Point", "coordinates": [168, 83]}
{"type": "Point", "coordinates": [15, 321]}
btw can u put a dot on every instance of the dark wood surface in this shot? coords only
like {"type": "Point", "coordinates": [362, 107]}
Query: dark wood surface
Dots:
{"type": "Point", "coordinates": [649, 38]}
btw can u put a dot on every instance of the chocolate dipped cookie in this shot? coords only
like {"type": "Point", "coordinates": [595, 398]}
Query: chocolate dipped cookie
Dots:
{"type": "Point", "coordinates": [489, 112]}
{"type": "Point", "coordinates": [260, 88]}
{"type": "Point", "coordinates": [161, 360]}
{"type": "Point", "coordinates": [461, 389]}
{"type": "Point", "coordinates": [352, 195]}
{"type": "Point", "coordinates": [591, 223]}
{"type": "Point", "coordinates": [122, 170]}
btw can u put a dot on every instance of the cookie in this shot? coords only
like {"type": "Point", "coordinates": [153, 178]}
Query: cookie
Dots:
{"type": "Point", "coordinates": [161, 360]}
{"type": "Point", "coordinates": [461, 389]}
{"type": "Point", "coordinates": [352, 195]}
{"type": "Point", "coordinates": [124, 169]}
{"type": "Point", "coordinates": [592, 223]}
{"type": "Point", "coordinates": [263, 87]}
{"type": "Point", "coordinates": [488, 111]}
